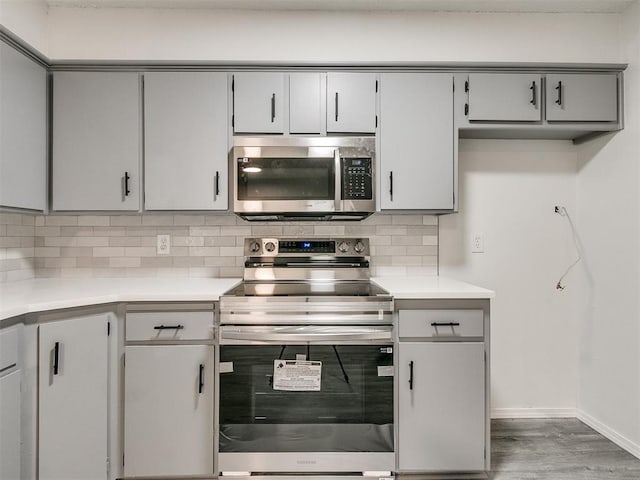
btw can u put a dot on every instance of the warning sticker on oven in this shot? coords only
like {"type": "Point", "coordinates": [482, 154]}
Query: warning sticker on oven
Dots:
{"type": "Point", "coordinates": [297, 375]}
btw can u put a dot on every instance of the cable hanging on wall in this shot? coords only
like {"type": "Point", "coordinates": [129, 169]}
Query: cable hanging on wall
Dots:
{"type": "Point", "coordinates": [562, 211]}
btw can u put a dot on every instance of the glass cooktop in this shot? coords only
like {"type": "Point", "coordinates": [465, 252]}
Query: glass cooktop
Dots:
{"type": "Point", "coordinates": [287, 289]}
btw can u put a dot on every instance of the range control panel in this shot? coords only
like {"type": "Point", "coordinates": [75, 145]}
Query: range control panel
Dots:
{"type": "Point", "coordinates": [357, 179]}
{"type": "Point", "coordinates": [272, 247]}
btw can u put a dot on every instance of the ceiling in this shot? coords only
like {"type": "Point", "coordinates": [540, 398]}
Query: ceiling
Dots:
{"type": "Point", "coordinates": [559, 6]}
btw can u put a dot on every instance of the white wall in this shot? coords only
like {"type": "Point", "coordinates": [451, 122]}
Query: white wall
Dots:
{"type": "Point", "coordinates": [281, 36]}
{"type": "Point", "coordinates": [508, 190]}
{"type": "Point", "coordinates": [608, 197]}
{"type": "Point", "coordinates": [28, 20]}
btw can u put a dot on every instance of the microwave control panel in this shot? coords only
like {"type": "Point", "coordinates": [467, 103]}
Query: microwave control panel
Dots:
{"type": "Point", "coordinates": [357, 179]}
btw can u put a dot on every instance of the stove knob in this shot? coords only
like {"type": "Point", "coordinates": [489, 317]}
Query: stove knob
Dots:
{"type": "Point", "coordinates": [269, 246]}
{"type": "Point", "coordinates": [343, 247]}
{"type": "Point", "coordinates": [359, 247]}
{"type": "Point", "coordinates": [254, 247]}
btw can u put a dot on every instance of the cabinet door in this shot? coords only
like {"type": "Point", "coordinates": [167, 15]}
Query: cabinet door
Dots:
{"type": "Point", "coordinates": [258, 102]}
{"type": "Point", "coordinates": [23, 131]}
{"type": "Point", "coordinates": [504, 97]}
{"type": "Point", "coordinates": [185, 123]}
{"type": "Point", "coordinates": [72, 416]}
{"type": "Point", "coordinates": [306, 105]}
{"type": "Point", "coordinates": [351, 102]}
{"type": "Point", "coordinates": [168, 410]}
{"type": "Point", "coordinates": [10, 426]}
{"type": "Point", "coordinates": [582, 97]}
{"type": "Point", "coordinates": [416, 141]}
{"type": "Point", "coordinates": [96, 141]}
{"type": "Point", "coordinates": [442, 415]}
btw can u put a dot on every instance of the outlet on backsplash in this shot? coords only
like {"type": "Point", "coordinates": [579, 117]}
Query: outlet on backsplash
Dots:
{"type": "Point", "coordinates": [163, 246]}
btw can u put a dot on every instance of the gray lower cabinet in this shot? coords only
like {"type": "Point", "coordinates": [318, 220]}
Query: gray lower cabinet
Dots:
{"type": "Point", "coordinates": [10, 404]}
{"type": "Point", "coordinates": [416, 141]}
{"type": "Point", "coordinates": [582, 97]}
{"type": "Point", "coordinates": [169, 391]}
{"type": "Point", "coordinates": [442, 414]}
{"type": "Point", "coordinates": [186, 137]}
{"type": "Point", "coordinates": [23, 131]}
{"type": "Point", "coordinates": [73, 399]}
{"type": "Point", "coordinates": [504, 97]}
{"type": "Point", "coordinates": [96, 141]}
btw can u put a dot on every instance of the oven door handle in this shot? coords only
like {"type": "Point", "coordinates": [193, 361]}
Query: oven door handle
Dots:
{"type": "Point", "coordinates": [265, 336]}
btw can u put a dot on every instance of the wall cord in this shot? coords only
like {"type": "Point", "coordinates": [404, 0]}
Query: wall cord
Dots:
{"type": "Point", "coordinates": [564, 213]}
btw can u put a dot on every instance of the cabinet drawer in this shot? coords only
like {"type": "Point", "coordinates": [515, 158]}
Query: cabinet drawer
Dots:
{"type": "Point", "coordinates": [8, 349]}
{"type": "Point", "coordinates": [440, 323]}
{"type": "Point", "coordinates": [149, 326]}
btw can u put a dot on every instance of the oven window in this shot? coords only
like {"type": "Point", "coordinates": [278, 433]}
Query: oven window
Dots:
{"type": "Point", "coordinates": [351, 412]}
{"type": "Point", "coordinates": [286, 179]}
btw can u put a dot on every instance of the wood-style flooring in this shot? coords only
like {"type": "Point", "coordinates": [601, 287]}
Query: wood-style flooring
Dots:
{"type": "Point", "coordinates": [556, 449]}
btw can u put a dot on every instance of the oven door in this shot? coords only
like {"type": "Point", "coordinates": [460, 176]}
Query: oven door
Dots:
{"type": "Point", "coordinates": [306, 398]}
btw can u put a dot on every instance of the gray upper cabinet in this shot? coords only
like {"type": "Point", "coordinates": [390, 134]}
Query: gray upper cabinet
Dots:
{"type": "Point", "coordinates": [307, 106]}
{"type": "Point", "coordinates": [582, 97]}
{"type": "Point", "coordinates": [504, 97]}
{"type": "Point", "coordinates": [258, 102]}
{"type": "Point", "coordinates": [186, 136]}
{"type": "Point", "coordinates": [416, 141]}
{"type": "Point", "coordinates": [96, 141]}
{"type": "Point", "coordinates": [351, 102]}
{"type": "Point", "coordinates": [23, 131]}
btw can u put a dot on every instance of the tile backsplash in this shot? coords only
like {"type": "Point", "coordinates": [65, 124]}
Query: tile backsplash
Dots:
{"type": "Point", "coordinates": [201, 245]}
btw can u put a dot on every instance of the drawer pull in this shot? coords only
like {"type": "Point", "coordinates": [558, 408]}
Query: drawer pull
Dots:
{"type": "Point", "coordinates": [411, 375]}
{"type": "Point", "coordinates": [445, 324]}
{"type": "Point", "coordinates": [168, 327]}
{"type": "Point", "coordinates": [201, 379]}
{"type": "Point", "coordinates": [56, 358]}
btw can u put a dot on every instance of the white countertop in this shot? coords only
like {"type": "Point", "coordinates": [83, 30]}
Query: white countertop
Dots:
{"type": "Point", "coordinates": [43, 294]}
{"type": "Point", "coordinates": [431, 287]}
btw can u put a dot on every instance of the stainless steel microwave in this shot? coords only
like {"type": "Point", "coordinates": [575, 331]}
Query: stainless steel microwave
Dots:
{"type": "Point", "coordinates": [303, 178]}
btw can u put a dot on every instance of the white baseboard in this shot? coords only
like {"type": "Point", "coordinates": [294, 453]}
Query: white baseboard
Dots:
{"type": "Point", "coordinates": [620, 440]}
{"type": "Point", "coordinates": [533, 413]}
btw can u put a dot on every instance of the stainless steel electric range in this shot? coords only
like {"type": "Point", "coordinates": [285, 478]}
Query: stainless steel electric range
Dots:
{"type": "Point", "coordinates": [306, 363]}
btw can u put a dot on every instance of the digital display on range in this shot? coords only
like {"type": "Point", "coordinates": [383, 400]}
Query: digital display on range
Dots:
{"type": "Point", "coordinates": [299, 246]}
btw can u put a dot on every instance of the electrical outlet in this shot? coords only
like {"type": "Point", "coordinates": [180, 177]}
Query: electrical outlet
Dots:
{"type": "Point", "coordinates": [477, 243]}
{"type": "Point", "coordinates": [163, 246]}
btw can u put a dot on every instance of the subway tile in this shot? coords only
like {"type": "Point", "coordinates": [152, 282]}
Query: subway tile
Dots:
{"type": "Point", "coordinates": [39, 221]}
{"type": "Point", "coordinates": [297, 230]}
{"type": "Point", "coordinates": [219, 261]}
{"type": "Point", "coordinates": [391, 230]}
{"type": "Point", "coordinates": [29, 220]}
{"type": "Point", "coordinates": [3, 230]}
{"type": "Point", "coordinates": [179, 251]}
{"type": "Point", "coordinates": [422, 250]}
{"type": "Point", "coordinates": [10, 219]}
{"type": "Point", "coordinates": [18, 275]}
{"type": "Point", "coordinates": [39, 241]}
{"type": "Point", "coordinates": [94, 220]}
{"type": "Point", "coordinates": [61, 241]}
{"type": "Point", "coordinates": [378, 219]}
{"type": "Point", "coordinates": [157, 220]}
{"type": "Point", "coordinates": [328, 230]}
{"type": "Point", "coordinates": [406, 240]}
{"type": "Point", "coordinates": [59, 262]}
{"type": "Point", "coordinates": [390, 271]}
{"type": "Point", "coordinates": [430, 240]}
{"type": "Point", "coordinates": [187, 241]}
{"type": "Point", "coordinates": [125, 241]}
{"type": "Point", "coordinates": [431, 260]}
{"type": "Point", "coordinates": [204, 251]}
{"type": "Point", "coordinates": [109, 231]}
{"type": "Point", "coordinates": [9, 242]}
{"type": "Point", "coordinates": [430, 220]}
{"type": "Point", "coordinates": [204, 272]}
{"type": "Point", "coordinates": [55, 220]}
{"type": "Point", "coordinates": [125, 220]}
{"type": "Point", "coordinates": [28, 242]}
{"type": "Point", "coordinates": [188, 220]}
{"type": "Point", "coordinates": [76, 251]}
{"type": "Point", "coordinates": [406, 219]}
{"type": "Point", "coordinates": [76, 231]}
{"type": "Point", "coordinates": [360, 230]}
{"type": "Point", "coordinates": [172, 231]}
{"type": "Point", "coordinates": [77, 272]}
{"type": "Point", "coordinates": [172, 272]}
{"type": "Point", "coordinates": [140, 231]}
{"type": "Point", "coordinates": [226, 219]}
{"type": "Point", "coordinates": [231, 251]}
{"type": "Point", "coordinates": [124, 262]}
{"type": "Point", "coordinates": [47, 231]}
{"type": "Point", "coordinates": [266, 230]}
{"type": "Point", "coordinates": [380, 240]}
{"type": "Point", "coordinates": [204, 231]}
{"type": "Point", "coordinates": [92, 262]}
{"type": "Point", "coordinates": [47, 252]}
{"type": "Point", "coordinates": [156, 262]}
{"type": "Point", "coordinates": [140, 251]}
{"type": "Point", "coordinates": [188, 262]}
{"type": "Point", "coordinates": [20, 231]}
{"type": "Point", "coordinates": [399, 260]}
{"type": "Point", "coordinates": [230, 231]}
{"type": "Point", "coordinates": [108, 252]}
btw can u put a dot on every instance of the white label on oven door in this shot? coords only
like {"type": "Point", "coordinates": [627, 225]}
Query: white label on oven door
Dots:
{"type": "Point", "coordinates": [385, 370]}
{"type": "Point", "coordinates": [296, 375]}
{"type": "Point", "coordinates": [226, 367]}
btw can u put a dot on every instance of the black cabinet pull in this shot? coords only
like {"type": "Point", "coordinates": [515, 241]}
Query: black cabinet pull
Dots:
{"type": "Point", "coordinates": [391, 185]}
{"type": "Point", "coordinates": [411, 375]}
{"type": "Point", "coordinates": [559, 89]}
{"type": "Point", "coordinates": [273, 107]}
{"type": "Point", "coordinates": [56, 358]}
{"type": "Point", "coordinates": [445, 324]}
{"type": "Point", "coordinates": [336, 106]}
{"type": "Point", "coordinates": [168, 327]}
{"type": "Point", "coordinates": [201, 378]}
{"type": "Point", "coordinates": [126, 184]}
{"type": "Point", "coordinates": [534, 94]}
{"type": "Point", "coordinates": [216, 186]}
